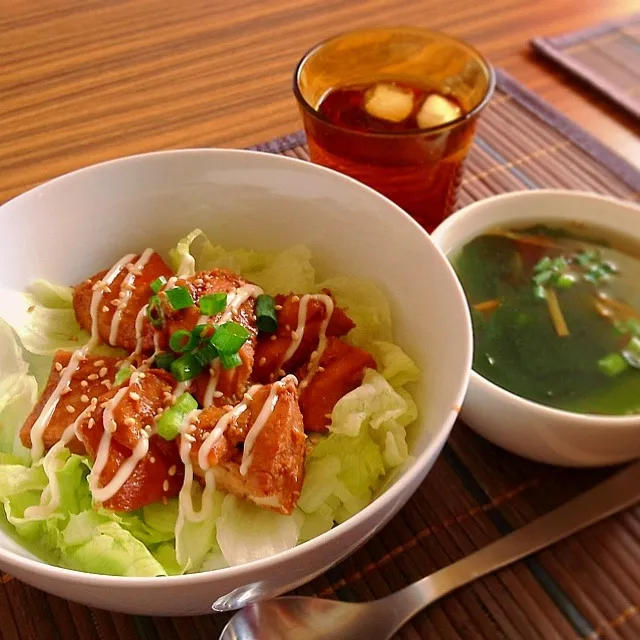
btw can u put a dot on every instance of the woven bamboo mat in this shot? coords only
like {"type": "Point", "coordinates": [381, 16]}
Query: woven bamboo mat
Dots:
{"type": "Point", "coordinates": [585, 587]}
{"type": "Point", "coordinates": [606, 56]}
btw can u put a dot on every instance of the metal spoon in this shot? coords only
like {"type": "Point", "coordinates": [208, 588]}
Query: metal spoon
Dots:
{"type": "Point", "coordinates": [297, 618]}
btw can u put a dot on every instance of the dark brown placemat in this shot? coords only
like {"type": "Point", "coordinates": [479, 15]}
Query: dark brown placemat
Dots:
{"type": "Point", "coordinates": [606, 56]}
{"type": "Point", "coordinates": [586, 587]}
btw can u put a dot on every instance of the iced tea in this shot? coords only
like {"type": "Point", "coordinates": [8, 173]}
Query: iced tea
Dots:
{"type": "Point", "coordinates": [397, 110]}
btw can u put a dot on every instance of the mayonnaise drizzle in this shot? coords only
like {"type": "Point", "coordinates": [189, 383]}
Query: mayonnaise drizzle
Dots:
{"type": "Point", "coordinates": [237, 298]}
{"type": "Point", "coordinates": [50, 498]}
{"type": "Point", "coordinates": [261, 420]}
{"type": "Point", "coordinates": [302, 321]}
{"type": "Point", "coordinates": [186, 510]}
{"type": "Point", "coordinates": [139, 327]}
{"type": "Point", "coordinates": [222, 425]}
{"type": "Point", "coordinates": [39, 426]}
{"type": "Point", "coordinates": [214, 376]}
{"type": "Point", "coordinates": [126, 290]}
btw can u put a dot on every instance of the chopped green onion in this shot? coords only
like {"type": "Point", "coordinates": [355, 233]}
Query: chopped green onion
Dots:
{"type": "Point", "coordinates": [229, 337]}
{"type": "Point", "coordinates": [612, 365]}
{"type": "Point", "coordinates": [230, 360]}
{"type": "Point", "coordinates": [123, 374]}
{"type": "Point", "coordinates": [204, 355]}
{"type": "Point", "coordinates": [565, 280]}
{"type": "Point", "coordinates": [158, 283]}
{"type": "Point", "coordinates": [155, 314]}
{"type": "Point", "coordinates": [213, 303]}
{"type": "Point", "coordinates": [180, 298]}
{"type": "Point", "coordinates": [558, 264]}
{"type": "Point", "coordinates": [164, 361]}
{"type": "Point", "coordinates": [539, 292]}
{"type": "Point", "coordinates": [543, 264]}
{"type": "Point", "coordinates": [183, 341]}
{"type": "Point", "coordinates": [200, 329]}
{"type": "Point", "coordinates": [186, 368]}
{"type": "Point", "coordinates": [609, 267]}
{"type": "Point", "coordinates": [171, 420]}
{"type": "Point", "coordinates": [543, 277]}
{"type": "Point", "coordinates": [266, 314]}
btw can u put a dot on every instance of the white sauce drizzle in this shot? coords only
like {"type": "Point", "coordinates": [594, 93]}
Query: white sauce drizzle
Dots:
{"type": "Point", "coordinates": [186, 510]}
{"type": "Point", "coordinates": [237, 298]}
{"type": "Point", "coordinates": [50, 498]}
{"type": "Point", "coordinates": [222, 425]}
{"type": "Point", "coordinates": [139, 327]}
{"type": "Point", "coordinates": [39, 426]}
{"type": "Point", "coordinates": [299, 332]}
{"type": "Point", "coordinates": [214, 376]}
{"type": "Point", "coordinates": [261, 420]}
{"type": "Point", "coordinates": [182, 387]}
{"type": "Point", "coordinates": [126, 290]}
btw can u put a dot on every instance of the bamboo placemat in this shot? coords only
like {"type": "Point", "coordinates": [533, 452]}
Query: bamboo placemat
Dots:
{"type": "Point", "coordinates": [585, 587]}
{"type": "Point", "coordinates": [606, 56]}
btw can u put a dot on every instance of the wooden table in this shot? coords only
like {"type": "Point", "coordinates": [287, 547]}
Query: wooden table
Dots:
{"type": "Point", "coordinates": [82, 81]}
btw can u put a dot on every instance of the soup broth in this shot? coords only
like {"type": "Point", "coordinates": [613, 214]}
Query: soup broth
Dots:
{"type": "Point", "coordinates": [556, 316]}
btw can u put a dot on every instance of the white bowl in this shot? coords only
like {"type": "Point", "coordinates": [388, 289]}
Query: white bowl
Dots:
{"type": "Point", "coordinates": [521, 426]}
{"type": "Point", "coordinates": [77, 224]}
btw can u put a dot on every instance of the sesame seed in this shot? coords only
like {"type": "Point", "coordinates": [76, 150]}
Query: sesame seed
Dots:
{"type": "Point", "coordinates": [142, 376]}
{"type": "Point", "coordinates": [84, 384]}
{"type": "Point", "coordinates": [165, 502]}
{"type": "Point", "coordinates": [65, 391]}
{"type": "Point", "coordinates": [295, 298]}
{"type": "Point", "coordinates": [247, 397]}
{"type": "Point", "coordinates": [106, 289]}
{"type": "Point", "coordinates": [105, 309]}
{"type": "Point", "coordinates": [71, 409]}
{"type": "Point", "coordinates": [98, 363]}
{"type": "Point", "coordinates": [294, 335]}
{"type": "Point", "coordinates": [314, 356]}
{"type": "Point", "coordinates": [165, 486]}
{"type": "Point", "coordinates": [134, 396]}
{"type": "Point", "coordinates": [58, 366]}
{"type": "Point", "coordinates": [263, 361]}
{"type": "Point", "coordinates": [160, 412]}
{"type": "Point", "coordinates": [198, 281]}
{"type": "Point", "coordinates": [278, 307]}
{"type": "Point", "coordinates": [172, 470]}
{"type": "Point", "coordinates": [281, 372]}
{"type": "Point", "coordinates": [103, 372]}
{"type": "Point", "coordinates": [288, 327]}
{"type": "Point", "coordinates": [84, 397]}
{"type": "Point", "coordinates": [328, 416]}
{"type": "Point", "coordinates": [189, 438]}
{"type": "Point", "coordinates": [113, 425]}
{"type": "Point", "coordinates": [152, 460]}
{"type": "Point", "coordinates": [87, 281]}
{"type": "Point", "coordinates": [273, 337]}
{"type": "Point", "coordinates": [106, 383]}
{"type": "Point", "coordinates": [91, 423]}
{"type": "Point", "coordinates": [93, 376]}
{"type": "Point", "coordinates": [130, 422]}
{"type": "Point", "coordinates": [191, 429]}
{"type": "Point", "coordinates": [320, 369]}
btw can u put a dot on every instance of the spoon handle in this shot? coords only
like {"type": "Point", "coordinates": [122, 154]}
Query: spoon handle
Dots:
{"type": "Point", "coordinates": [618, 492]}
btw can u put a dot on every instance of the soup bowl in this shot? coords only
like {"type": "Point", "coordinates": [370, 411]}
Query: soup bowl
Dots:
{"type": "Point", "coordinates": [524, 427]}
{"type": "Point", "coordinates": [74, 225]}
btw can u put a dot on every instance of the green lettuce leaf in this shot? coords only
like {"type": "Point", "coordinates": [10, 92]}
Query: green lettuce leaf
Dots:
{"type": "Point", "coordinates": [246, 532]}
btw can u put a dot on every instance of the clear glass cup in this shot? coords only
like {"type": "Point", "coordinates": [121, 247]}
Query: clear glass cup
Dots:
{"type": "Point", "coordinates": [419, 169]}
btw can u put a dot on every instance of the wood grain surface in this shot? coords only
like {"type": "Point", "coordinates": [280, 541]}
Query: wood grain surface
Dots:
{"type": "Point", "coordinates": [82, 81]}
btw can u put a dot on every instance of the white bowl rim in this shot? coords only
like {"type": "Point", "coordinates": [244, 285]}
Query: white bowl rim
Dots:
{"type": "Point", "coordinates": [387, 498]}
{"type": "Point", "coordinates": [570, 419]}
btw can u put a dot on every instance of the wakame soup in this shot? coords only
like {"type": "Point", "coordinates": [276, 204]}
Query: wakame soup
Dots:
{"type": "Point", "coordinates": [556, 315]}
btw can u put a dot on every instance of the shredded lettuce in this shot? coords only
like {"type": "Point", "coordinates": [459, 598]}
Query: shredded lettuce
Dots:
{"type": "Point", "coordinates": [367, 439]}
{"type": "Point", "coordinates": [246, 532]}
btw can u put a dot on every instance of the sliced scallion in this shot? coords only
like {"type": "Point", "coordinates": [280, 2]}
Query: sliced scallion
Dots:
{"type": "Point", "coordinates": [155, 314]}
{"type": "Point", "coordinates": [183, 341]}
{"type": "Point", "coordinates": [213, 303]}
{"type": "Point", "coordinates": [612, 365]}
{"type": "Point", "coordinates": [230, 360]}
{"type": "Point", "coordinates": [180, 298]}
{"type": "Point", "coordinates": [164, 360]}
{"type": "Point", "coordinates": [171, 420]}
{"type": "Point", "coordinates": [229, 337]}
{"type": "Point", "coordinates": [123, 374]}
{"type": "Point", "coordinates": [158, 283]}
{"type": "Point", "coordinates": [205, 354]}
{"type": "Point", "coordinates": [266, 314]}
{"type": "Point", "coordinates": [186, 368]}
